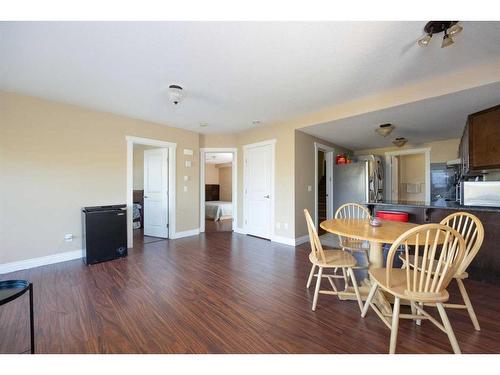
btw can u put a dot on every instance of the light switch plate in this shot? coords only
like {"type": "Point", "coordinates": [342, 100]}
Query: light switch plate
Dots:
{"type": "Point", "coordinates": [309, 188]}
{"type": "Point", "coordinates": [185, 189]}
{"type": "Point", "coordinates": [188, 163]}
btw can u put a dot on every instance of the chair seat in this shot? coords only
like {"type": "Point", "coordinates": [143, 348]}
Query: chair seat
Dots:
{"type": "Point", "coordinates": [334, 258]}
{"type": "Point", "coordinates": [354, 244]}
{"type": "Point", "coordinates": [398, 286]}
{"type": "Point", "coordinates": [411, 261]}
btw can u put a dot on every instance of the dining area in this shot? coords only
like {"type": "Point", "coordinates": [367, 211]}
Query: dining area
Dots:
{"type": "Point", "coordinates": [397, 270]}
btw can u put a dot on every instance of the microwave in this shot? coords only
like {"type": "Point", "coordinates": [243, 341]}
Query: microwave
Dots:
{"type": "Point", "coordinates": [480, 193]}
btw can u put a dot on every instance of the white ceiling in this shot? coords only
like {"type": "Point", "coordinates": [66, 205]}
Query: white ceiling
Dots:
{"type": "Point", "coordinates": [218, 157]}
{"type": "Point", "coordinates": [438, 118]}
{"type": "Point", "coordinates": [232, 72]}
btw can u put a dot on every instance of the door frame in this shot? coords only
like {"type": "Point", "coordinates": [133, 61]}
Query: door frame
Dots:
{"type": "Point", "coordinates": [234, 183]}
{"type": "Point", "coordinates": [328, 150]}
{"type": "Point", "coordinates": [272, 143]}
{"type": "Point", "coordinates": [388, 169]}
{"type": "Point", "coordinates": [172, 147]}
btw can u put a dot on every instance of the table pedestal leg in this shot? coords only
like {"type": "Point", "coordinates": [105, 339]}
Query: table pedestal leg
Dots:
{"type": "Point", "coordinates": [376, 257]}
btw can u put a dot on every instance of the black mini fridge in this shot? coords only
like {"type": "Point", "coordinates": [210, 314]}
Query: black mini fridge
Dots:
{"type": "Point", "coordinates": [104, 233]}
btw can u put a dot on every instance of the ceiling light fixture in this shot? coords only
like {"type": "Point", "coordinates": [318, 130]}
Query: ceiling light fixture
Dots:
{"type": "Point", "coordinates": [400, 142]}
{"type": "Point", "coordinates": [256, 122]}
{"type": "Point", "coordinates": [203, 124]}
{"type": "Point", "coordinates": [385, 129]}
{"type": "Point", "coordinates": [175, 93]}
{"type": "Point", "coordinates": [447, 40]}
{"type": "Point", "coordinates": [449, 28]}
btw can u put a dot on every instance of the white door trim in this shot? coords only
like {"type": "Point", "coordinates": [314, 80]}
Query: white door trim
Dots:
{"type": "Point", "coordinates": [327, 149]}
{"type": "Point", "coordinates": [272, 143]}
{"type": "Point", "coordinates": [234, 182]}
{"type": "Point", "coordinates": [172, 147]}
{"type": "Point", "coordinates": [427, 154]}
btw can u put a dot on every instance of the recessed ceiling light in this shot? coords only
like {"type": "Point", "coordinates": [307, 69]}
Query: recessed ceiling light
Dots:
{"type": "Point", "coordinates": [256, 122]}
{"type": "Point", "coordinates": [203, 124]}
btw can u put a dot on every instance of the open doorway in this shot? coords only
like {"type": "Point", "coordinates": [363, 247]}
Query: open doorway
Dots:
{"type": "Point", "coordinates": [409, 175]}
{"type": "Point", "coordinates": [323, 184]}
{"type": "Point", "coordinates": [218, 192]}
{"type": "Point", "coordinates": [150, 190]}
{"type": "Point", "coordinates": [150, 195]}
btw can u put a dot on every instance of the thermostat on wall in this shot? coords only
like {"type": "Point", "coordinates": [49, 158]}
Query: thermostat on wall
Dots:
{"type": "Point", "coordinates": [188, 151]}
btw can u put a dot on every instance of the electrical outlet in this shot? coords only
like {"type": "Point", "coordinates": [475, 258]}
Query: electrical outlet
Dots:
{"type": "Point", "coordinates": [309, 188]}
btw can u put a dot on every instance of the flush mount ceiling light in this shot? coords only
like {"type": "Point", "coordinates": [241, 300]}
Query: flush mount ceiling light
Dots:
{"type": "Point", "coordinates": [385, 129]}
{"type": "Point", "coordinates": [256, 122]}
{"type": "Point", "coordinates": [450, 28]}
{"type": "Point", "coordinates": [400, 142]}
{"type": "Point", "coordinates": [175, 94]}
{"type": "Point", "coordinates": [203, 124]}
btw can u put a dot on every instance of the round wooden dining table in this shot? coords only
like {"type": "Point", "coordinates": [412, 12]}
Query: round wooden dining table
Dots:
{"type": "Point", "coordinates": [360, 229]}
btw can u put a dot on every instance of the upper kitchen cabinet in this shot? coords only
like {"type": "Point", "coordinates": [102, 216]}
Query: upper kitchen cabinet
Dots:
{"type": "Point", "coordinates": [480, 144]}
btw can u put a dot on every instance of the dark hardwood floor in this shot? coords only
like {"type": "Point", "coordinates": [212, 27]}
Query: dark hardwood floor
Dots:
{"type": "Point", "coordinates": [219, 225]}
{"type": "Point", "coordinates": [220, 292]}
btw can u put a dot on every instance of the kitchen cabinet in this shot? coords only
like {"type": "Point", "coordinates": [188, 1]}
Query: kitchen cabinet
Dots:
{"type": "Point", "coordinates": [480, 147]}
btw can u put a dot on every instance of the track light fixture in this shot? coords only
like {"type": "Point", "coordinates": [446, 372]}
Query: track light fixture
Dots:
{"type": "Point", "coordinates": [450, 28]}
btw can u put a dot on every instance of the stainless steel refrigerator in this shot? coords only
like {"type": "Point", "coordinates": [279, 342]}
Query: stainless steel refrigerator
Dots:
{"type": "Point", "coordinates": [358, 182]}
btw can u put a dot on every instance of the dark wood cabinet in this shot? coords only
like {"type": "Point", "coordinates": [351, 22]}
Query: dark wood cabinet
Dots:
{"type": "Point", "coordinates": [480, 144]}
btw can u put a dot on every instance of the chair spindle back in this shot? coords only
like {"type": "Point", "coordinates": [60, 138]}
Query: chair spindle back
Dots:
{"type": "Point", "coordinates": [316, 248]}
{"type": "Point", "coordinates": [472, 230]}
{"type": "Point", "coordinates": [351, 211]}
{"type": "Point", "coordinates": [441, 250]}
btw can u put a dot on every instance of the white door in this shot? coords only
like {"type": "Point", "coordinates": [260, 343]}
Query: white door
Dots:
{"type": "Point", "coordinates": [394, 178]}
{"type": "Point", "coordinates": [329, 184]}
{"type": "Point", "coordinates": [258, 169]}
{"type": "Point", "coordinates": [156, 192]}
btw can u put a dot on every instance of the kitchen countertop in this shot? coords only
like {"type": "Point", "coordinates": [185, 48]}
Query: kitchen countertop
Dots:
{"type": "Point", "coordinates": [441, 204]}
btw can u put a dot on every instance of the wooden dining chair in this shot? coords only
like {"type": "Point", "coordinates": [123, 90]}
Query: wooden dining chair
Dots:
{"type": "Point", "coordinates": [354, 211]}
{"type": "Point", "coordinates": [442, 250]}
{"type": "Point", "coordinates": [472, 230]}
{"type": "Point", "coordinates": [330, 259]}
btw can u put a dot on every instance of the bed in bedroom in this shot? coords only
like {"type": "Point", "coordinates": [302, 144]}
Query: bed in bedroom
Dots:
{"type": "Point", "coordinates": [216, 209]}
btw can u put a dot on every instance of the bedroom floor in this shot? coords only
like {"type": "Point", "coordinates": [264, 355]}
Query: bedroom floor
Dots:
{"type": "Point", "coordinates": [218, 226]}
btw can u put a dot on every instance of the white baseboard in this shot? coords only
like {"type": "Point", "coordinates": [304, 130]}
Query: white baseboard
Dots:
{"type": "Point", "coordinates": [187, 233]}
{"type": "Point", "coordinates": [301, 240]}
{"type": "Point", "coordinates": [283, 240]}
{"type": "Point", "coordinates": [240, 230]}
{"type": "Point", "coordinates": [40, 261]}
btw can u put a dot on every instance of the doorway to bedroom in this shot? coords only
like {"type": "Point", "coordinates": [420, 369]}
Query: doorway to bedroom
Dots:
{"type": "Point", "coordinates": [150, 193]}
{"type": "Point", "coordinates": [218, 192]}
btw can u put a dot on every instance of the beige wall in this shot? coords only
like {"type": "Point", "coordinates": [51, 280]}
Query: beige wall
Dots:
{"type": "Point", "coordinates": [138, 173]}
{"type": "Point", "coordinates": [56, 158]}
{"type": "Point", "coordinates": [441, 151]}
{"type": "Point", "coordinates": [218, 140]}
{"type": "Point", "coordinates": [211, 174]}
{"type": "Point", "coordinates": [412, 171]}
{"type": "Point", "coordinates": [225, 182]}
{"type": "Point", "coordinates": [304, 177]}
